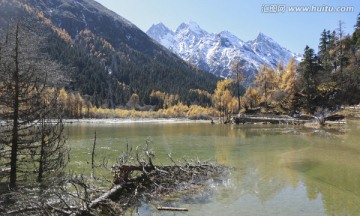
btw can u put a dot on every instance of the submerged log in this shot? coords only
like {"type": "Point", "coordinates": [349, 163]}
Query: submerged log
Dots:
{"type": "Point", "coordinates": [129, 168]}
{"type": "Point", "coordinates": [335, 117]}
{"type": "Point", "coordinates": [171, 209]}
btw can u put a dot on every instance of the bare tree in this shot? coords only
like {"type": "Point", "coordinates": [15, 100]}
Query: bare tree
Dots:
{"type": "Point", "coordinates": [52, 154]}
{"type": "Point", "coordinates": [25, 102]}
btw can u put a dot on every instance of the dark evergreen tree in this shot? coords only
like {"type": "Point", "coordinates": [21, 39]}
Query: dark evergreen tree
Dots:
{"type": "Point", "coordinates": [357, 25]}
{"type": "Point", "coordinates": [308, 71]}
{"type": "Point", "coordinates": [340, 50]}
{"type": "Point", "coordinates": [333, 40]}
{"type": "Point", "coordinates": [323, 54]}
{"type": "Point", "coordinates": [356, 35]}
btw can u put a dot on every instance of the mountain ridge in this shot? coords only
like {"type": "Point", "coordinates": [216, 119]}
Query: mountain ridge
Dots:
{"type": "Point", "coordinates": [218, 53]}
{"type": "Point", "coordinates": [111, 57]}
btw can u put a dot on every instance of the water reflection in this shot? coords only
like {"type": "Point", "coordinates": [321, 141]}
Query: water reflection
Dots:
{"type": "Point", "coordinates": [325, 164]}
{"type": "Point", "coordinates": [279, 170]}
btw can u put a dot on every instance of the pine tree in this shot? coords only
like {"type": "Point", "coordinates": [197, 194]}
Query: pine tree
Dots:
{"type": "Point", "coordinates": [356, 34]}
{"type": "Point", "coordinates": [357, 25]}
{"type": "Point", "coordinates": [308, 71]}
{"type": "Point", "coordinates": [333, 41]}
{"type": "Point", "coordinates": [340, 31]}
{"type": "Point", "coordinates": [324, 50]}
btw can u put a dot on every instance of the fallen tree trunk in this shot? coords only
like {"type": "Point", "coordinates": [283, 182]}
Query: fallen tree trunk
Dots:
{"type": "Point", "coordinates": [135, 181]}
{"type": "Point", "coordinates": [154, 180]}
{"type": "Point", "coordinates": [111, 194]}
{"type": "Point", "coordinates": [123, 172]}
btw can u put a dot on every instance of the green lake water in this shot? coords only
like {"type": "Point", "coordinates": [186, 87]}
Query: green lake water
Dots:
{"type": "Point", "coordinates": [278, 170]}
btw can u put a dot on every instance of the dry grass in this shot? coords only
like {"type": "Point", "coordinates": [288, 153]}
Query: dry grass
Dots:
{"type": "Point", "coordinates": [178, 111]}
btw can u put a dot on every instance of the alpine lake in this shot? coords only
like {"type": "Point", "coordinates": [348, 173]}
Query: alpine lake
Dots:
{"type": "Point", "coordinates": [276, 169]}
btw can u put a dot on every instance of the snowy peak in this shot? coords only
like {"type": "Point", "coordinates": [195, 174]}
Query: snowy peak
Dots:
{"type": "Point", "coordinates": [163, 35]}
{"type": "Point", "coordinates": [190, 27]}
{"type": "Point", "coordinates": [263, 38]}
{"type": "Point", "coordinates": [159, 30]}
{"type": "Point", "coordinates": [235, 41]}
{"type": "Point", "coordinates": [217, 53]}
{"type": "Point", "coordinates": [270, 51]}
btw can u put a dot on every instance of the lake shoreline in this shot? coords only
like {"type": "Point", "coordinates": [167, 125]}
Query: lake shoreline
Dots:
{"type": "Point", "coordinates": [257, 119]}
{"type": "Point", "coordinates": [133, 121]}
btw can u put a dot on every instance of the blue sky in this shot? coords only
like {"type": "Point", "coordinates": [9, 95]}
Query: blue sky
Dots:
{"type": "Point", "coordinates": [243, 18]}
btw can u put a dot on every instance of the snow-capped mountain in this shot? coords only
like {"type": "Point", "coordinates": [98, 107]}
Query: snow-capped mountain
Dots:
{"type": "Point", "coordinates": [218, 53]}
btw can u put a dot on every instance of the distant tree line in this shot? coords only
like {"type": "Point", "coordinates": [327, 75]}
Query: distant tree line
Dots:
{"type": "Point", "coordinates": [108, 77]}
{"type": "Point", "coordinates": [324, 80]}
